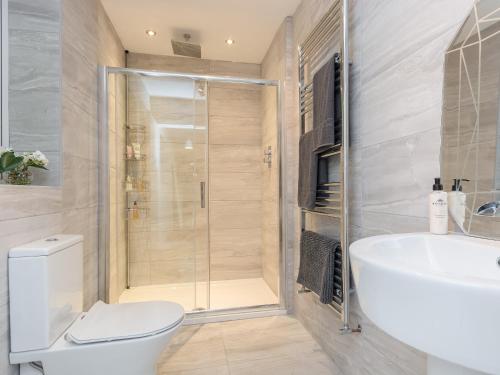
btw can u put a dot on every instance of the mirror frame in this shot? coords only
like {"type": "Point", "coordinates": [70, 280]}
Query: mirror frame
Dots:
{"type": "Point", "coordinates": [4, 43]}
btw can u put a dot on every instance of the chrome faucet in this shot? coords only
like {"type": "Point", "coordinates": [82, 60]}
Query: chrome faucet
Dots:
{"type": "Point", "coordinates": [489, 209]}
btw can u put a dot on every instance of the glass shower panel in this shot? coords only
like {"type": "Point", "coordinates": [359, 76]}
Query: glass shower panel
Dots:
{"type": "Point", "coordinates": [166, 190]}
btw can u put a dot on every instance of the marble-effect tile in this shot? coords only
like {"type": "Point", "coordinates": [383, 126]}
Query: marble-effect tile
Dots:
{"type": "Point", "coordinates": [276, 345]}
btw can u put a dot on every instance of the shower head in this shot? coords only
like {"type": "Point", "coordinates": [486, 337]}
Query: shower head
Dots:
{"type": "Point", "coordinates": [185, 48]}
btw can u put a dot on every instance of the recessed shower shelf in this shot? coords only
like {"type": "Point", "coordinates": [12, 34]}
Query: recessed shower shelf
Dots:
{"type": "Point", "coordinates": [141, 158]}
{"type": "Point", "coordinates": [135, 127]}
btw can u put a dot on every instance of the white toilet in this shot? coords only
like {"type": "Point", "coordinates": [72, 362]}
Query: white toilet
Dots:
{"type": "Point", "coordinates": [47, 325]}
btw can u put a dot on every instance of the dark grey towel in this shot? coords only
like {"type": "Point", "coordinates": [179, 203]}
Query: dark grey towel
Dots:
{"type": "Point", "coordinates": [317, 264]}
{"type": "Point", "coordinates": [308, 172]}
{"type": "Point", "coordinates": [326, 99]}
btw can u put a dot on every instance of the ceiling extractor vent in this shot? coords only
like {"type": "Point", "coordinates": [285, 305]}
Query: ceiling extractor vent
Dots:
{"type": "Point", "coordinates": [185, 48]}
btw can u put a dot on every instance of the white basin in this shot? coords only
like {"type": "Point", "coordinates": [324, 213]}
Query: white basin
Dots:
{"type": "Point", "coordinates": [438, 294]}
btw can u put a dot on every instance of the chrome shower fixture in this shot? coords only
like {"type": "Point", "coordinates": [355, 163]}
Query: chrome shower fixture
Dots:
{"type": "Point", "coordinates": [185, 48]}
{"type": "Point", "coordinates": [268, 156]}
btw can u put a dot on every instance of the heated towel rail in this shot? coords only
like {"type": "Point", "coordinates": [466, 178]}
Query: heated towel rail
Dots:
{"type": "Point", "coordinates": [330, 37]}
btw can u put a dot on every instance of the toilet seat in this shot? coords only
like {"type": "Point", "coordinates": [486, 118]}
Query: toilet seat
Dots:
{"type": "Point", "coordinates": [104, 323]}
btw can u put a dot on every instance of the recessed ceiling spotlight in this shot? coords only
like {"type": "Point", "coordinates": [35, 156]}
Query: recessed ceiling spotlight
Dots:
{"type": "Point", "coordinates": [230, 42]}
{"type": "Point", "coordinates": [151, 33]}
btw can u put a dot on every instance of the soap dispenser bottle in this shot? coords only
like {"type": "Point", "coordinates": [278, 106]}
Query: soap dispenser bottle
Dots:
{"type": "Point", "coordinates": [438, 209]}
{"type": "Point", "coordinates": [457, 202]}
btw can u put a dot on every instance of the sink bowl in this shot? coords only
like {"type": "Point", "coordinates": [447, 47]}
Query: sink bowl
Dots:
{"type": "Point", "coordinates": [438, 294]}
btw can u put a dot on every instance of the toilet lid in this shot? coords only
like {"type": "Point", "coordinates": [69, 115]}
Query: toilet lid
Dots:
{"type": "Point", "coordinates": [106, 322]}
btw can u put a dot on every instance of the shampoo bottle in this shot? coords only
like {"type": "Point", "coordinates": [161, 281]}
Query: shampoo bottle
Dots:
{"type": "Point", "coordinates": [438, 209]}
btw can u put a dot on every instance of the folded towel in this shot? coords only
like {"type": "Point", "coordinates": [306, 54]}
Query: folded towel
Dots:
{"type": "Point", "coordinates": [317, 265]}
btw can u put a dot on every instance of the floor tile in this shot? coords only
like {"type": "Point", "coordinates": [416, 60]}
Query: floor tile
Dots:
{"type": "Point", "coordinates": [277, 345]}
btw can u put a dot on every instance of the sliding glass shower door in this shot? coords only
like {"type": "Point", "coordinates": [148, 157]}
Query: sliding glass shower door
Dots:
{"type": "Point", "coordinates": [194, 191]}
{"type": "Point", "coordinates": [167, 135]}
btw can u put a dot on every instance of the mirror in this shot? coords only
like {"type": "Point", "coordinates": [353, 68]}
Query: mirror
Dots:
{"type": "Point", "coordinates": [31, 117]}
{"type": "Point", "coordinates": [471, 122]}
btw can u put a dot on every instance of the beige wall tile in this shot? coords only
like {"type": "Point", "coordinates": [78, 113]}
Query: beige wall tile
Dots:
{"type": "Point", "coordinates": [234, 102]}
{"type": "Point", "coordinates": [235, 214]}
{"type": "Point", "coordinates": [235, 158]}
{"type": "Point", "coordinates": [228, 268]}
{"type": "Point", "coordinates": [225, 130]}
{"type": "Point", "coordinates": [235, 187]}
{"type": "Point", "coordinates": [226, 242]}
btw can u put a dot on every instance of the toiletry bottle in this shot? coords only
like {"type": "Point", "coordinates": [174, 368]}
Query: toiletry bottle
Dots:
{"type": "Point", "coordinates": [130, 152]}
{"type": "Point", "coordinates": [135, 211]}
{"type": "Point", "coordinates": [438, 209]}
{"type": "Point", "coordinates": [137, 150]}
{"type": "Point", "coordinates": [128, 185]}
{"type": "Point", "coordinates": [456, 202]}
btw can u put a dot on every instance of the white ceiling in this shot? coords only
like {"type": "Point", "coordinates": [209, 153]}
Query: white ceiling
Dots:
{"type": "Point", "coordinates": [251, 23]}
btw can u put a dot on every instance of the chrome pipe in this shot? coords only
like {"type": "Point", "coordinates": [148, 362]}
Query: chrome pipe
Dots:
{"type": "Point", "coordinates": [200, 77]}
{"type": "Point", "coordinates": [328, 34]}
{"type": "Point", "coordinates": [332, 14]}
{"type": "Point", "coordinates": [345, 167]}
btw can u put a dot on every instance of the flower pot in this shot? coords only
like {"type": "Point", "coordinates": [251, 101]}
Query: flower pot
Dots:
{"type": "Point", "coordinates": [19, 177]}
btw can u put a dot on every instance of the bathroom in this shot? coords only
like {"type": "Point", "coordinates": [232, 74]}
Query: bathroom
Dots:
{"type": "Point", "coordinates": [173, 135]}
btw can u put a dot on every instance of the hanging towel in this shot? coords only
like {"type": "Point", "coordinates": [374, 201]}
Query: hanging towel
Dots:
{"type": "Point", "coordinates": [326, 104]}
{"type": "Point", "coordinates": [325, 134]}
{"type": "Point", "coordinates": [308, 172]}
{"type": "Point", "coordinates": [317, 265]}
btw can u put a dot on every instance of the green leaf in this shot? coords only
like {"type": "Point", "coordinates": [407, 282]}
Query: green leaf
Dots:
{"type": "Point", "coordinates": [9, 161]}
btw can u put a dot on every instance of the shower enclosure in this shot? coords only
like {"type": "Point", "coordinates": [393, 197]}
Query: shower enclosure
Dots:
{"type": "Point", "coordinates": [190, 190]}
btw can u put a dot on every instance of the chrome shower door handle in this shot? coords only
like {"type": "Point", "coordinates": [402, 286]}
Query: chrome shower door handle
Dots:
{"type": "Point", "coordinates": [202, 193]}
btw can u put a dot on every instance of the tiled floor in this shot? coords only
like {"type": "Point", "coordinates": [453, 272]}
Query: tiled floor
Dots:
{"type": "Point", "coordinates": [275, 346]}
{"type": "Point", "coordinates": [224, 294]}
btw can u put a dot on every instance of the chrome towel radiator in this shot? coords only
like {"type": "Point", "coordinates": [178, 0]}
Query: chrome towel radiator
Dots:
{"type": "Point", "coordinates": [330, 37]}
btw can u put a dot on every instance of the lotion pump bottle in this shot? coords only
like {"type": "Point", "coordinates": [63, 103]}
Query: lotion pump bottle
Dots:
{"type": "Point", "coordinates": [456, 202]}
{"type": "Point", "coordinates": [438, 209]}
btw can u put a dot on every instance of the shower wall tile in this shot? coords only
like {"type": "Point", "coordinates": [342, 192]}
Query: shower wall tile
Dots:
{"type": "Point", "coordinates": [168, 63]}
{"type": "Point", "coordinates": [234, 131]}
{"type": "Point", "coordinates": [234, 102]}
{"type": "Point", "coordinates": [235, 214]}
{"type": "Point", "coordinates": [166, 110]}
{"type": "Point", "coordinates": [173, 187]}
{"type": "Point", "coordinates": [233, 69]}
{"type": "Point", "coordinates": [235, 242]}
{"type": "Point", "coordinates": [235, 179]}
{"type": "Point", "coordinates": [140, 273]}
{"type": "Point", "coordinates": [235, 186]}
{"type": "Point", "coordinates": [229, 268]}
{"type": "Point", "coordinates": [175, 157]}
{"type": "Point", "coordinates": [173, 272]}
{"type": "Point", "coordinates": [235, 158]}
{"type": "Point", "coordinates": [192, 65]}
